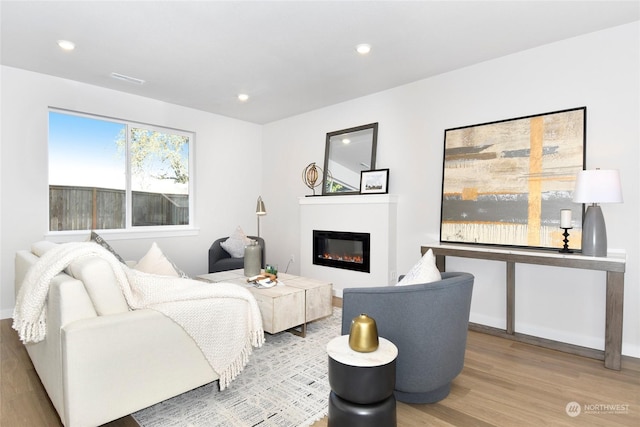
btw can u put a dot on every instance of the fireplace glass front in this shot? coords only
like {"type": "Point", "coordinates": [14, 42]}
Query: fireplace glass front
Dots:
{"type": "Point", "coordinates": [341, 249]}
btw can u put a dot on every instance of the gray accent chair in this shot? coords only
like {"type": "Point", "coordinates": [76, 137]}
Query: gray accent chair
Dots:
{"type": "Point", "coordinates": [220, 260]}
{"type": "Point", "coordinates": [427, 322]}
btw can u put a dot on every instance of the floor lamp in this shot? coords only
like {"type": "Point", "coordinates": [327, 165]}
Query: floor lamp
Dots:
{"type": "Point", "coordinates": [596, 186]}
{"type": "Point", "coordinates": [260, 211]}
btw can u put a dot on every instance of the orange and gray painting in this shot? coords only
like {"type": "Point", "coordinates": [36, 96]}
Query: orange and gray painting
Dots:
{"type": "Point", "coordinates": [505, 183]}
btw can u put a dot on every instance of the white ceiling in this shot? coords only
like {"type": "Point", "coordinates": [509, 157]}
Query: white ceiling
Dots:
{"type": "Point", "coordinates": [289, 56]}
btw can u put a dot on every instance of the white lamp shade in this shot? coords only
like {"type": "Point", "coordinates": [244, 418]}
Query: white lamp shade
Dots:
{"type": "Point", "coordinates": [598, 186]}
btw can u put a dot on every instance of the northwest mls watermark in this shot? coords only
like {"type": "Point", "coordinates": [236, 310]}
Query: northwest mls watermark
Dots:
{"type": "Point", "coordinates": [573, 409]}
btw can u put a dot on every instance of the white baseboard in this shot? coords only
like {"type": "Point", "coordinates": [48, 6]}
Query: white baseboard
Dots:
{"type": "Point", "coordinates": [631, 350]}
{"type": "Point", "coordinates": [541, 332]}
{"type": "Point", "coordinates": [561, 336]}
{"type": "Point", "coordinates": [485, 320]}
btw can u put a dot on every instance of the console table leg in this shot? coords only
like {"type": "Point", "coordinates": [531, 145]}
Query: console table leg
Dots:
{"type": "Point", "coordinates": [511, 297]}
{"type": "Point", "coordinates": [613, 322]}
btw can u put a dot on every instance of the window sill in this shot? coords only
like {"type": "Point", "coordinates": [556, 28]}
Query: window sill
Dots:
{"type": "Point", "coordinates": [137, 233]}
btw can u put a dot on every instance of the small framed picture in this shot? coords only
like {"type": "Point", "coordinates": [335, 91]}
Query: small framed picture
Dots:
{"type": "Point", "coordinates": [374, 181]}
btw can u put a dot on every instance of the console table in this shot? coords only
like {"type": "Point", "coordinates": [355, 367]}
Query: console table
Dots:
{"type": "Point", "coordinates": [613, 265]}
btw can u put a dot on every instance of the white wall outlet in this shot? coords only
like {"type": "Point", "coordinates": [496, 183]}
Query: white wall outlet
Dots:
{"type": "Point", "coordinates": [292, 259]}
{"type": "Point", "coordinates": [393, 277]}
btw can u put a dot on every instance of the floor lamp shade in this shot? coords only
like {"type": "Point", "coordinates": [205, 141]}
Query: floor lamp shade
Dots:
{"type": "Point", "coordinates": [260, 211]}
{"type": "Point", "coordinates": [596, 186]}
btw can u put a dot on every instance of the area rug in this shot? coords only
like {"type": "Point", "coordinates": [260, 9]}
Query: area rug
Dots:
{"type": "Point", "coordinates": [285, 384]}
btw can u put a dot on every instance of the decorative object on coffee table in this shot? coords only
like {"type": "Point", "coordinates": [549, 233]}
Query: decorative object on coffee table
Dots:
{"type": "Point", "coordinates": [252, 258]}
{"type": "Point", "coordinates": [363, 335]}
{"type": "Point", "coordinates": [361, 385]}
{"type": "Point", "coordinates": [272, 269]}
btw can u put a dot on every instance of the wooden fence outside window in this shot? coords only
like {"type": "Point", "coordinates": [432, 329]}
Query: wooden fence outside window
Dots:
{"type": "Point", "coordinates": [91, 208]}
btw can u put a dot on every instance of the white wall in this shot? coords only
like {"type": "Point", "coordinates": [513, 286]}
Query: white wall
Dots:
{"type": "Point", "coordinates": [227, 168]}
{"type": "Point", "coordinates": [599, 70]}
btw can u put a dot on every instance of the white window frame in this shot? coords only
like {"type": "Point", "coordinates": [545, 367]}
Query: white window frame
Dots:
{"type": "Point", "coordinates": [131, 231]}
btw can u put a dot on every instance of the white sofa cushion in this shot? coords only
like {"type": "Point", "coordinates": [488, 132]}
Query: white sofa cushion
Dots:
{"type": "Point", "coordinates": [101, 285]}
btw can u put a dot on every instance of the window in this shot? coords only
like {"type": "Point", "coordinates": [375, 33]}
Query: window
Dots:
{"type": "Point", "coordinates": [112, 174]}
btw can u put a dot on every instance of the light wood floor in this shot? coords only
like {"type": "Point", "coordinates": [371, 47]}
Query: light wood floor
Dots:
{"type": "Point", "coordinates": [504, 383]}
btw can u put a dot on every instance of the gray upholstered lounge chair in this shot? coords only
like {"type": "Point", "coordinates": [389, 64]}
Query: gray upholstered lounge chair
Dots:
{"type": "Point", "coordinates": [220, 260]}
{"type": "Point", "coordinates": [427, 322]}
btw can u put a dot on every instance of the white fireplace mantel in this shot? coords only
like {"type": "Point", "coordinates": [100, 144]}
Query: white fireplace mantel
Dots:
{"type": "Point", "coordinates": [366, 199]}
{"type": "Point", "coordinates": [375, 214]}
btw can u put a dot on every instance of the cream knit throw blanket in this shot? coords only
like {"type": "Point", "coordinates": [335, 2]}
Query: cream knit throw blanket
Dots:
{"type": "Point", "coordinates": [223, 319]}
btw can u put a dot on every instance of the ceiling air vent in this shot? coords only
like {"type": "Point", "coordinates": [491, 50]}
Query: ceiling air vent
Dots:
{"type": "Point", "coordinates": [127, 78]}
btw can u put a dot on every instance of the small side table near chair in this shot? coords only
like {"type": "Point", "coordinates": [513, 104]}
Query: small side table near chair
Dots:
{"type": "Point", "coordinates": [362, 385]}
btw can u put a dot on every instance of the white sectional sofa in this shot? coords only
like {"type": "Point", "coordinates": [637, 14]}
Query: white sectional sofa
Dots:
{"type": "Point", "coordinates": [99, 360]}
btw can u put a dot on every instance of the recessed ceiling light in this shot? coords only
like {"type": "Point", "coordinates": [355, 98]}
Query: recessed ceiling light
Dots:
{"type": "Point", "coordinates": [363, 48]}
{"type": "Point", "coordinates": [346, 140]}
{"type": "Point", "coordinates": [243, 97]}
{"type": "Point", "coordinates": [66, 44]}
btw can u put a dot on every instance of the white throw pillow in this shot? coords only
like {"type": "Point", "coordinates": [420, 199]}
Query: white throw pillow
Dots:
{"type": "Point", "coordinates": [235, 244]}
{"type": "Point", "coordinates": [425, 271]}
{"type": "Point", "coordinates": [155, 262]}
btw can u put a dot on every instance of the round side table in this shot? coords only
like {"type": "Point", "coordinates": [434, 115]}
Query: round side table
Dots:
{"type": "Point", "coordinates": [361, 385]}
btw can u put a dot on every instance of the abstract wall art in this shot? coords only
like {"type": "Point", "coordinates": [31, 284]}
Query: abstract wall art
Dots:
{"type": "Point", "coordinates": [505, 182]}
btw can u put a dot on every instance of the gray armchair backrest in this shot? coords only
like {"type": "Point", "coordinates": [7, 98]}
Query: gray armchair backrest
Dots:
{"type": "Point", "coordinates": [427, 322]}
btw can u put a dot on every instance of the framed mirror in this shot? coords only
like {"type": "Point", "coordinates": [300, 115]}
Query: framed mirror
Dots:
{"type": "Point", "coordinates": [347, 153]}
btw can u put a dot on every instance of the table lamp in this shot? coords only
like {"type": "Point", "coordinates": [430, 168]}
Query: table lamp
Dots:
{"type": "Point", "coordinates": [260, 211]}
{"type": "Point", "coordinates": [596, 186]}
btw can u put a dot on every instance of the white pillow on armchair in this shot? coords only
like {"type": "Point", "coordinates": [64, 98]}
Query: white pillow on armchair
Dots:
{"type": "Point", "coordinates": [425, 271]}
{"type": "Point", "coordinates": [235, 244]}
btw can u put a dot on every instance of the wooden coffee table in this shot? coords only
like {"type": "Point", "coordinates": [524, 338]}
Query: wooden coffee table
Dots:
{"type": "Point", "coordinates": [289, 305]}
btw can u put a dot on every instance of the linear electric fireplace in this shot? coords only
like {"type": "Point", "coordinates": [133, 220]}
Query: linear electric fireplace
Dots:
{"type": "Point", "coordinates": [340, 249]}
